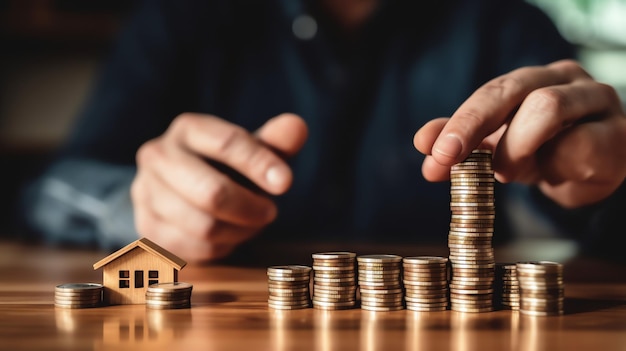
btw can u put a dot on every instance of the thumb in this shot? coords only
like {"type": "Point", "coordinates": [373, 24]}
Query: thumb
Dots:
{"type": "Point", "coordinates": [285, 133]}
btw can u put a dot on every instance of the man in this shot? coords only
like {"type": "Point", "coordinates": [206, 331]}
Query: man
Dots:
{"type": "Point", "coordinates": [193, 87]}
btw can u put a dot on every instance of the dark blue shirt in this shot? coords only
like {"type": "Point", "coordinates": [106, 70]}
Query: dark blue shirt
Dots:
{"type": "Point", "coordinates": [358, 176]}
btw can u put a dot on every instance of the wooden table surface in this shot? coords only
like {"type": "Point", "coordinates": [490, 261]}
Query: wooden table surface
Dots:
{"type": "Point", "coordinates": [229, 312]}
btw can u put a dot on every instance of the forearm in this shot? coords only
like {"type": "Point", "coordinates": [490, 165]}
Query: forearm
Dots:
{"type": "Point", "coordinates": [81, 202]}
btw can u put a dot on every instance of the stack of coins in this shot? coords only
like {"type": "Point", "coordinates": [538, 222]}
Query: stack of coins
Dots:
{"type": "Point", "coordinates": [334, 280]}
{"type": "Point", "coordinates": [471, 231]}
{"type": "Point", "coordinates": [289, 287]}
{"type": "Point", "coordinates": [169, 295]}
{"type": "Point", "coordinates": [425, 283]}
{"type": "Point", "coordinates": [542, 291]}
{"type": "Point", "coordinates": [506, 286]}
{"type": "Point", "coordinates": [380, 283]}
{"type": "Point", "coordinates": [78, 295]}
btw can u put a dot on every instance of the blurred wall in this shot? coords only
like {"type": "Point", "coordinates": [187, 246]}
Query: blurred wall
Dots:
{"type": "Point", "coordinates": [50, 52]}
{"type": "Point", "coordinates": [598, 27]}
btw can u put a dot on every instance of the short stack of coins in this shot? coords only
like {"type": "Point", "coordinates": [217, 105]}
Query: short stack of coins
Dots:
{"type": "Point", "coordinates": [506, 286]}
{"type": "Point", "coordinates": [542, 291]}
{"type": "Point", "coordinates": [380, 283]}
{"type": "Point", "coordinates": [334, 280]}
{"type": "Point", "coordinates": [289, 287]}
{"type": "Point", "coordinates": [172, 295]}
{"type": "Point", "coordinates": [78, 295]}
{"type": "Point", "coordinates": [471, 231]}
{"type": "Point", "coordinates": [425, 281]}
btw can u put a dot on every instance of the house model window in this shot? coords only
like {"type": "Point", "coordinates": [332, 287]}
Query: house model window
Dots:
{"type": "Point", "coordinates": [124, 279]}
{"type": "Point", "coordinates": [153, 277]}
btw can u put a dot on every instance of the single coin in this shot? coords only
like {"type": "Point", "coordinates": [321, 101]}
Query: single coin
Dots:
{"type": "Point", "coordinates": [334, 255]}
{"type": "Point", "coordinates": [79, 293]}
{"type": "Point", "coordinates": [69, 287]}
{"type": "Point", "coordinates": [347, 268]}
{"type": "Point", "coordinates": [78, 302]}
{"type": "Point", "coordinates": [167, 287]}
{"type": "Point", "coordinates": [544, 266]}
{"type": "Point", "coordinates": [288, 270]}
{"type": "Point", "coordinates": [379, 258]}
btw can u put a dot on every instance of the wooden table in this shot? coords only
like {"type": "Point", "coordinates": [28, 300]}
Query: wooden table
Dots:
{"type": "Point", "coordinates": [229, 312]}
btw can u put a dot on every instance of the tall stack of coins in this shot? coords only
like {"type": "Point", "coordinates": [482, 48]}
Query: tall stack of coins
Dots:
{"type": "Point", "coordinates": [425, 283]}
{"type": "Point", "coordinates": [542, 291]}
{"type": "Point", "coordinates": [334, 280]}
{"type": "Point", "coordinates": [471, 231]}
{"type": "Point", "coordinates": [380, 283]}
{"type": "Point", "coordinates": [506, 286]}
{"type": "Point", "coordinates": [78, 295]}
{"type": "Point", "coordinates": [169, 295]}
{"type": "Point", "coordinates": [289, 287]}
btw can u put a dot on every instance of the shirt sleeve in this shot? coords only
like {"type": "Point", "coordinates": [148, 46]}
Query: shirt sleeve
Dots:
{"type": "Point", "coordinates": [81, 202]}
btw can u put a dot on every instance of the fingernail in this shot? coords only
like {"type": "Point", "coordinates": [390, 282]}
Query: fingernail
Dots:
{"type": "Point", "coordinates": [449, 146]}
{"type": "Point", "coordinates": [277, 176]}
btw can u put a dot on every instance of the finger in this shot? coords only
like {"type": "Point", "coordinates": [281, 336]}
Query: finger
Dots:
{"type": "Point", "coordinates": [172, 208]}
{"type": "Point", "coordinates": [216, 240]}
{"type": "Point", "coordinates": [226, 234]}
{"type": "Point", "coordinates": [544, 114]}
{"type": "Point", "coordinates": [173, 239]}
{"type": "Point", "coordinates": [586, 153]}
{"type": "Point", "coordinates": [207, 249]}
{"type": "Point", "coordinates": [434, 171]}
{"type": "Point", "coordinates": [148, 224]}
{"type": "Point", "coordinates": [425, 137]}
{"type": "Point", "coordinates": [204, 187]}
{"type": "Point", "coordinates": [285, 133]}
{"type": "Point", "coordinates": [488, 108]}
{"type": "Point", "coordinates": [235, 147]}
{"type": "Point", "coordinates": [197, 224]}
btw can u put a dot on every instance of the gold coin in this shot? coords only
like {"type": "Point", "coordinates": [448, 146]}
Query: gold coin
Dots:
{"type": "Point", "coordinates": [321, 268]}
{"type": "Point", "coordinates": [334, 255]}
{"type": "Point", "coordinates": [379, 258]}
{"type": "Point", "coordinates": [540, 266]}
{"type": "Point", "coordinates": [170, 287]}
{"type": "Point", "coordinates": [288, 270]}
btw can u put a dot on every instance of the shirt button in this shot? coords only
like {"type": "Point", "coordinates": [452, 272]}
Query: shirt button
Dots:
{"type": "Point", "coordinates": [304, 27]}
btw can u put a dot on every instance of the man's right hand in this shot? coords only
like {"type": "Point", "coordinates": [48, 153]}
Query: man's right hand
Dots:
{"type": "Point", "coordinates": [191, 208]}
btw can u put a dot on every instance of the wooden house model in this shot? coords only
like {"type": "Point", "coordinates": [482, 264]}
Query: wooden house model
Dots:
{"type": "Point", "coordinates": [127, 273]}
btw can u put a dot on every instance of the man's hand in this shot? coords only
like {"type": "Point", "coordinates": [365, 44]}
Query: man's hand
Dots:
{"type": "Point", "coordinates": [191, 208]}
{"type": "Point", "coordinates": [553, 126]}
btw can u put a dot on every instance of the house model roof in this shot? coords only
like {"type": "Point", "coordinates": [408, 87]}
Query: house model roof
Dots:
{"type": "Point", "coordinates": [147, 245]}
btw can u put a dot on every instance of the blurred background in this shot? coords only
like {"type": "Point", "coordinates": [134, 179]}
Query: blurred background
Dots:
{"type": "Point", "coordinates": [51, 50]}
